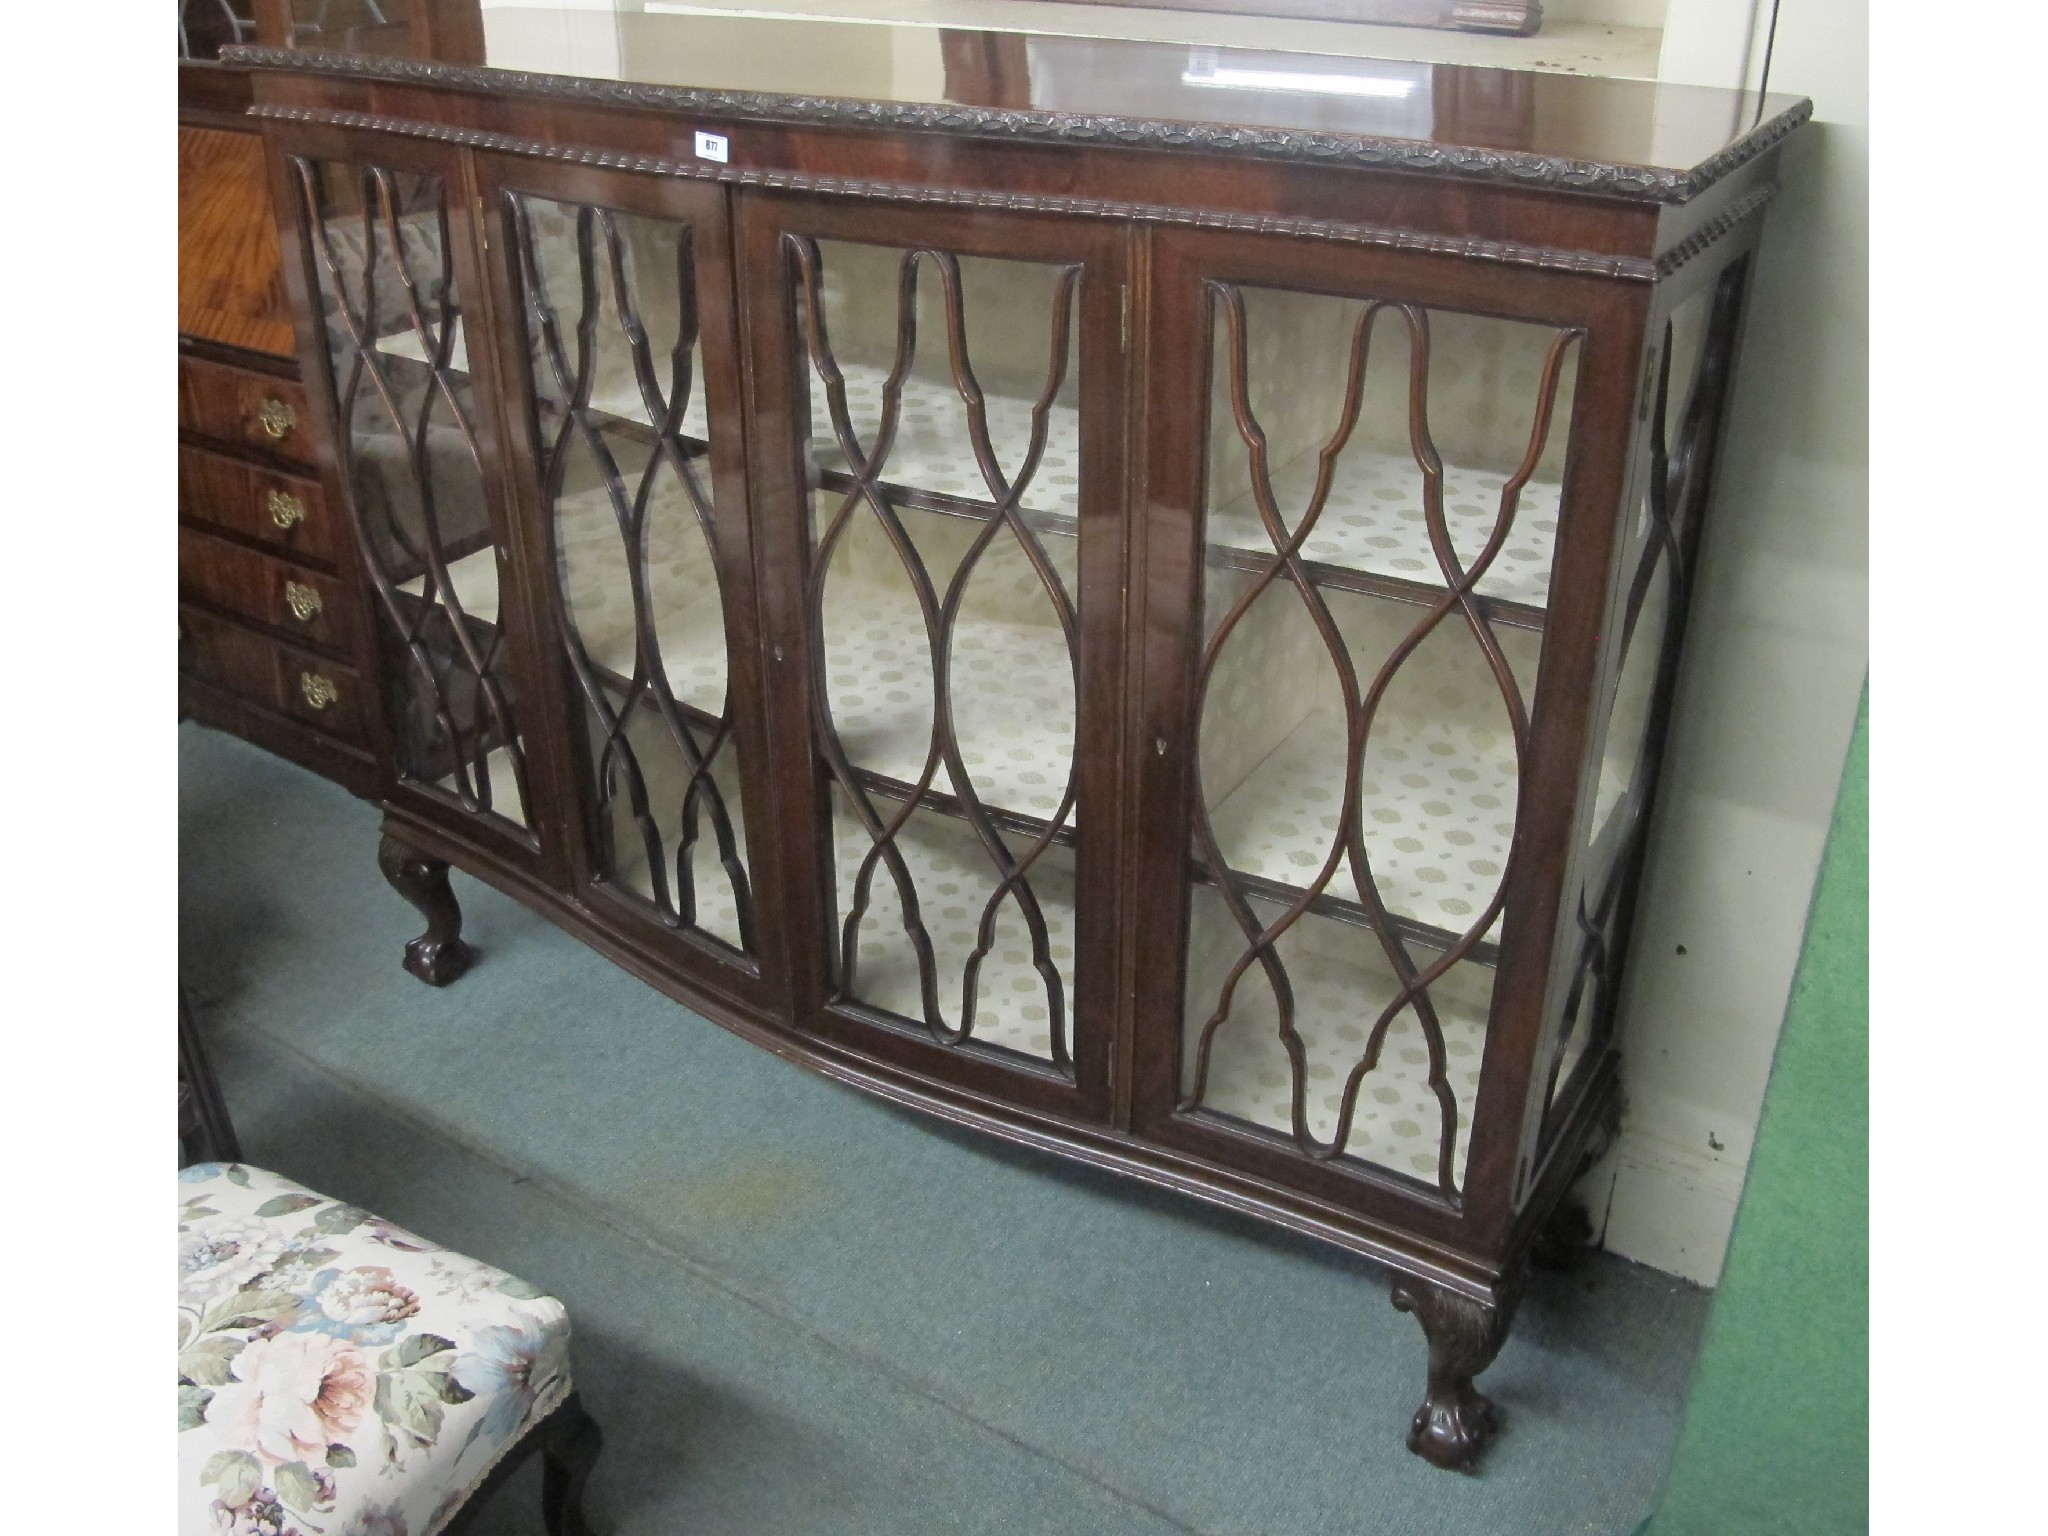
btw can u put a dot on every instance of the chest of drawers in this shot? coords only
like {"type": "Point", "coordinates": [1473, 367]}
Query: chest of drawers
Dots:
{"type": "Point", "coordinates": [269, 638]}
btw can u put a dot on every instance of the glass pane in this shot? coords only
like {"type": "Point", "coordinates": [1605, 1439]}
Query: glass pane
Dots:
{"type": "Point", "coordinates": [1646, 604]}
{"type": "Point", "coordinates": [1360, 735]}
{"type": "Point", "coordinates": [611, 320]}
{"type": "Point", "coordinates": [409, 447]}
{"type": "Point", "coordinates": [1326, 386]}
{"type": "Point", "coordinates": [945, 460]}
{"type": "Point", "coordinates": [1645, 617]}
{"type": "Point", "coordinates": [1406, 1108]}
{"type": "Point", "coordinates": [207, 26]}
{"type": "Point", "coordinates": [352, 26]}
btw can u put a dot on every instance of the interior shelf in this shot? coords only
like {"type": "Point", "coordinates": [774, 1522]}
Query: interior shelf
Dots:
{"type": "Point", "coordinates": [952, 874]}
{"type": "Point", "coordinates": [1372, 535]}
{"type": "Point", "coordinates": [1373, 526]}
{"type": "Point", "coordinates": [879, 684]}
{"type": "Point", "coordinates": [1339, 990]}
{"type": "Point", "coordinates": [1437, 843]}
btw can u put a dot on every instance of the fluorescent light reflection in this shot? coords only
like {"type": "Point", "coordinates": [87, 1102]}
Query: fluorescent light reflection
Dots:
{"type": "Point", "coordinates": [1208, 72]}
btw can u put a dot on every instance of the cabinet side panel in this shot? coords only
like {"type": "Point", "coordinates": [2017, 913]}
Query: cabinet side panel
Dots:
{"type": "Point", "coordinates": [230, 286]}
{"type": "Point", "coordinates": [1560, 727]}
{"type": "Point", "coordinates": [1691, 352]}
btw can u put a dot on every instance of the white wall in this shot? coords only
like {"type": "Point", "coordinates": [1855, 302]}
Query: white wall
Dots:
{"type": "Point", "coordinates": [1774, 666]}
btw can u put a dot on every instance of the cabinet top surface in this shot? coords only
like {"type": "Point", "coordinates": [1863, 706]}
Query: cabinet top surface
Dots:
{"type": "Point", "coordinates": [1626, 138]}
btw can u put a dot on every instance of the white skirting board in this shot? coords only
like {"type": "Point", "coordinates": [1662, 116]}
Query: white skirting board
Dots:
{"type": "Point", "coordinates": [1665, 1195]}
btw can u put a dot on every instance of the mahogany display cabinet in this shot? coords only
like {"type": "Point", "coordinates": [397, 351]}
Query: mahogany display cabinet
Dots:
{"type": "Point", "coordinates": [1146, 633]}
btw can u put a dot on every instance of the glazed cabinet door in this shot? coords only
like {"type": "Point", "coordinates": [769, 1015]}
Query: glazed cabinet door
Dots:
{"type": "Point", "coordinates": [938, 410]}
{"type": "Point", "coordinates": [386, 260]}
{"type": "Point", "coordinates": [1381, 496]}
{"type": "Point", "coordinates": [627, 454]}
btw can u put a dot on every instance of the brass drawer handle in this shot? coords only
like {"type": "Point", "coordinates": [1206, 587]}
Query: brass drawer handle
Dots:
{"type": "Point", "coordinates": [318, 691]}
{"type": "Point", "coordinates": [278, 418]}
{"type": "Point", "coordinates": [304, 602]}
{"type": "Point", "coordinates": [286, 510]}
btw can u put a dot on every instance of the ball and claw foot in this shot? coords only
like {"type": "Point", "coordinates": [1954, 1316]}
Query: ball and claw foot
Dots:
{"type": "Point", "coordinates": [437, 956]}
{"type": "Point", "coordinates": [1456, 1420]}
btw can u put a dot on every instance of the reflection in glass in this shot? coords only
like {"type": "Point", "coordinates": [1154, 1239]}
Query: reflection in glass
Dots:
{"type": "Point", "coordinates": [1646, 604]}
{"type": "Point", "coordinates": [944, 449]}
{"type": "Point", "coordinates": [1383, 490]}
{"type": "Point", "coordinates": [620, 418]}
{"type": "Point", "coordinates": [350, 25]}
{"type": "Point", "coordinates": [207, 26]}
{"type": "Point", "coordinates": [382, 257]}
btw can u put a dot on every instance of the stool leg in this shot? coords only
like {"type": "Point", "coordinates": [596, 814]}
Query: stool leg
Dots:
{"type": "Point", "coordinates": [566, 1462]}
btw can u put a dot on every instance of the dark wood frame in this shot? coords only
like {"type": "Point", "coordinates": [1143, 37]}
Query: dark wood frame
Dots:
{"type": "Point", "coordinates": [776, 378]}
{"type": "Point", "coordinates": [763, 984]}
{"type": "Point", "coordinates": [568, 1441]}
{"type": "Point", "coordinates": [1609, 317]}
{"type": "Point", "coordinates": [1603, 249]}
{"type": "Point", "coordinates": [205, 1133]}
{"type": "Point", "coordinates": [541, 844]}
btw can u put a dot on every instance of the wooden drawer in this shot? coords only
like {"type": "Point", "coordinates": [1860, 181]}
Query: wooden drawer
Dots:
{"type": "Point", "coordinates": [300, 602]}
{"type": "Point", "coordinates": [282, 678]}
{"type": "Point", "coordinates": [253, 410]}
{"type": "Point", "coordinates": [283, 511]}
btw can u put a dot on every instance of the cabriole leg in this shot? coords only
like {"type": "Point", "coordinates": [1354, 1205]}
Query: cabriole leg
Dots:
{"type": "Point", "coordinates": [1456, 1420]}
{"type": "Point", "coordinates": [565, 1467]}
{"type": "Point", "coordinates": [437, 956]}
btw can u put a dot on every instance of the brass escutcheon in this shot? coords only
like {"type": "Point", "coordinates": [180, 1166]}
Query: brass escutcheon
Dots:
{"type": "Point", "coordinates": [304, 602]}
{"type": "Point", "coordinates": [319, 691]}
{"type": "Point", "coordinates": [278, 418]}
{"type": "Point", "coordinates": [286, 510]}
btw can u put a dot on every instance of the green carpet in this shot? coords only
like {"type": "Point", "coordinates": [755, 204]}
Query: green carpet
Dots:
{"type": "Point", "coordinates": [799, 1311]}
{"type": "Point", "coordinates": [1777, 1439]}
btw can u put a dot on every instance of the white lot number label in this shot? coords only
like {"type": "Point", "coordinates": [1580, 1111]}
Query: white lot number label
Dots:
{"type": "Point", "coordinates": [711, 146]}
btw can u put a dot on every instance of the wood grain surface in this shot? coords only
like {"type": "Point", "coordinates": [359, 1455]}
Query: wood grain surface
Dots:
{"type": "Point", "coordinates": [230, 288]}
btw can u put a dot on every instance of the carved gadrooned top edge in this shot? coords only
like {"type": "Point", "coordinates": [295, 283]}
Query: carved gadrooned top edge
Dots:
{"type": "Point", "coordinates": [1511, 167]}
{"type": "Point", "coordinates": [1391, 237]}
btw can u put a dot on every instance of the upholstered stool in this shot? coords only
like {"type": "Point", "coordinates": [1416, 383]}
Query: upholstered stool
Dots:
{"type": "Point", "coordinates": [341, 1376]}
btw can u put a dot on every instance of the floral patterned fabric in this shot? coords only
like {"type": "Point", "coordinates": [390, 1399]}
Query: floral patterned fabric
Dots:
{"type": "Point", "coordinates": [338, 1376]}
